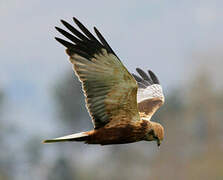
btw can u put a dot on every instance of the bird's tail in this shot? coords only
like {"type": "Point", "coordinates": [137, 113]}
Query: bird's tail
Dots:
{"type": "Point", "coordinates": [82, 136]}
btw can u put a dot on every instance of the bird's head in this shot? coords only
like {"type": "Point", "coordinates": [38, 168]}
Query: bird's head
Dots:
{"type": "Point", "coordinates": [156, 133]}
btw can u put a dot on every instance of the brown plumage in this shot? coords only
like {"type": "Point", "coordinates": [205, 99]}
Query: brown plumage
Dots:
{"type": "Point", "coordinates": [120, 104]}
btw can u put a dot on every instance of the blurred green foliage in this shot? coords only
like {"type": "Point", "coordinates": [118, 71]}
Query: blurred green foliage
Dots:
{"type": "Point", "coordinates": [4, 163]}
{"type": "Point", "coordinates": [70, 102]}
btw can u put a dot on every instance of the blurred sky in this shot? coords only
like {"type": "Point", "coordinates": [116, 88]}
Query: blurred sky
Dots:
{"type": "Point", "coordinates": [158, 34]}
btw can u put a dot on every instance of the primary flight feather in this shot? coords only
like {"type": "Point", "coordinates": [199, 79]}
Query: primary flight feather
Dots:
{"type": "Point", "coordinates": [120, 104]}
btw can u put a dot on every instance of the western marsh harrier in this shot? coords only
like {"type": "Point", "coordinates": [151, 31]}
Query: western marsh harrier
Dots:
{"type": "Point", "coordinates": [120, 104]}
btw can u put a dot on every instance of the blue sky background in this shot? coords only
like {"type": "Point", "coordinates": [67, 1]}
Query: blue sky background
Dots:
{"type": "Point", "coordinates": [165, 36]}
{"type": "Point", "coordinates": [174, 38]}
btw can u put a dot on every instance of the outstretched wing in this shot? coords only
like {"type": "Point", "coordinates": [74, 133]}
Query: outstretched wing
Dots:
{"type": "Point", "coordinates": [150, 94]}
{"type": "Point", "coordinates": [109, 88]}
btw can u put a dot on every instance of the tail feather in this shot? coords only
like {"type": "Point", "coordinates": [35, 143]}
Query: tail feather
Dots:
{"type": "Point", "coordinates": [72, 137]}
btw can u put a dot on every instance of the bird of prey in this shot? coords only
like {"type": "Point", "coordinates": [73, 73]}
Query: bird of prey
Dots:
{"type": "Point", "coordinates": [120, 104]}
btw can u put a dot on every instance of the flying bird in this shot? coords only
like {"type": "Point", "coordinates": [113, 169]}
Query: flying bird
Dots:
{"type": "Point", "coordinates": [120, 104]}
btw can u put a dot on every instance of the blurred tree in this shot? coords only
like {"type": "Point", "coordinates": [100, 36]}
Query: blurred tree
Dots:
{"type": "Point", "coordinates": [71, 104]}
{"type": "Point", "coordinates": [33, 150]}
{"type": "Point", "coordinates": [4, 163]}
{"type": "Point", "coordinates": [62, 170]}
{"type": "Point", "coordinates": [1, 97]}
{"type": "Point", "coordinates": [1, 110]}
{"type": "Point", "coordinates": [71, 111]}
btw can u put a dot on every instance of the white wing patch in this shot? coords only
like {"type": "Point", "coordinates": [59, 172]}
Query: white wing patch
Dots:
{"type": "Point", "coordinates": [153, 91]}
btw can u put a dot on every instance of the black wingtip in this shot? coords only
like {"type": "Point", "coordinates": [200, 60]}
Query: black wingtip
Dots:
{"type": "Point", "coordinates": [60, 30]}
{"type": "Point", "coordinates": [103, 41]}
{"type": "Point", "coordinates": [57, 39]}
{"type": "Point", "coordinates": [144, 75]}
{"type": "Point", "coordinates": [57, 28]}
{"type": "Point", "coordinates": [63, 22]}
{"type": "Point", "coordinates": [146, 79]}
{"type": "Point", "coordinates": [84, 30]}
{"type": "Point", "coordinates": [153, 77]}
{"type": "Point", "coordinates": [78, 23]}
{"type": "Point", "coordinates": [83, 41]}
{"type": "Point", "coordinates": [63, 42]}
{"type": "Point", "coordinates": [137, 78]}
{"type": "Point", "coordinates": [97, 32]}
{"type": "Point", "coordinates": [76, 20]}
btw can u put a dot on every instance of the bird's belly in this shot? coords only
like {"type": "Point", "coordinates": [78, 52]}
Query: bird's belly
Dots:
{"type": "Point", "coordinates": [105, 136]}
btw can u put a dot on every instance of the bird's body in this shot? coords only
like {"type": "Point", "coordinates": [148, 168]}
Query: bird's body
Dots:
{"type": "Point", "coordinates": [124, 133]}
{"type": "Point", "coordinates": [120, 104]}
{"type": "Point", "coordinates": [119, 134]}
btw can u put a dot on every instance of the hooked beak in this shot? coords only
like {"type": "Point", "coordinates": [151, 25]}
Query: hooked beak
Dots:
{"type": "Point", "coordinates": [158, 143]}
